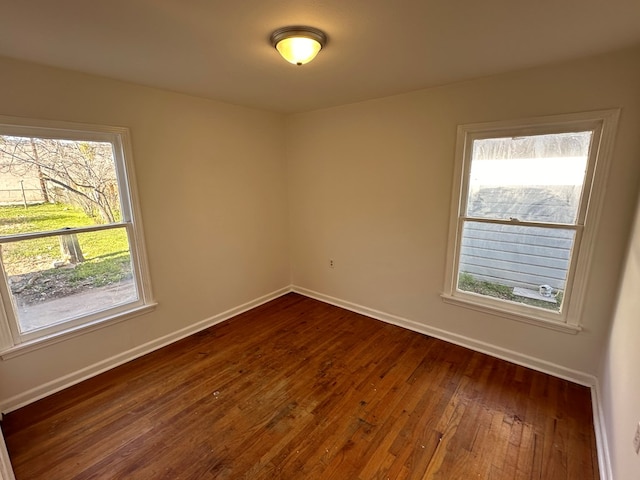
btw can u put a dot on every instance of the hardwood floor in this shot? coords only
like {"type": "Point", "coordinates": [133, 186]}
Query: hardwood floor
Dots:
{"type": "Point", "coordinates": [297, 389]}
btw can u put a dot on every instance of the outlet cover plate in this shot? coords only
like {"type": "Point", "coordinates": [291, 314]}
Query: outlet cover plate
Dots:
{"type": "Point", "coordinates": [636, 440]}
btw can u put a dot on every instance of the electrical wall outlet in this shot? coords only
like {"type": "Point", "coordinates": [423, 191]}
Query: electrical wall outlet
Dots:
{"type": "Point", "coordinates": [636, 440]}
{"type": "Point", "coordinates": [331, 264]}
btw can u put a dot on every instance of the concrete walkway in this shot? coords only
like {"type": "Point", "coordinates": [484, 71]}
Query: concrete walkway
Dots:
{"type": "Point", "coordinates": [50, 312]}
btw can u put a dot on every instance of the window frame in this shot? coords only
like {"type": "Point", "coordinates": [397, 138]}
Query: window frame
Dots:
{"type": "Point", "coordinates": [12, 341]}
{"type": "Point", "coordinates": [603, 125]}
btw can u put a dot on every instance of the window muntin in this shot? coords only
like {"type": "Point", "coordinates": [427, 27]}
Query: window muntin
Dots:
{"type": "Point", "coordinates": [71, 251]}
{"type": "Point", "coordinates": [522, 193]}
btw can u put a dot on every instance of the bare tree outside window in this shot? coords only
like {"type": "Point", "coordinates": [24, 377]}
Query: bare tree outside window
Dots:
{"type": "Point", "coordinates": [77, 172]}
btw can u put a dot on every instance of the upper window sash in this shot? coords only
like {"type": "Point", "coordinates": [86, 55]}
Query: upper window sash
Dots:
{"type": "Point", "coordinates": [118, 137]}
{"type": "Point", "coordinates": [571, 123]}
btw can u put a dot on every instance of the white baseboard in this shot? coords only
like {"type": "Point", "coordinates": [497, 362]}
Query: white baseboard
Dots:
{"type": "Point", "coordinates": [602, 444]}
{"type": "Point", "coordinates": [30, 396]}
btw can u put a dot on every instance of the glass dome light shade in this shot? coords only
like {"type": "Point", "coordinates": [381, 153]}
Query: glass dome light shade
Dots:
{"type": "Point", "coordinates": [298, 45]}
{"type": "Point", "coordinates": [298, 50]}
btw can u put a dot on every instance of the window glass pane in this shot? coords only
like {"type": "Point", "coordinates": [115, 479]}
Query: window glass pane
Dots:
{"type": "Point", "coordinates": [44, 217]}
{"type": "Point", "coordinates": [70, 172]}
{"type": "Point", "coordinates": [59, 278]}
{"type": "Point", "coordinates": [535, 178]}
{"type": "Point", "coordinates": [517, 263]}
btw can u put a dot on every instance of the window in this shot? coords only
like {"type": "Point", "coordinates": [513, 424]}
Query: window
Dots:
{"type": "Point", "coordinates": [525, 204]}
{"type": "Point", "coordinates": [71, 246]}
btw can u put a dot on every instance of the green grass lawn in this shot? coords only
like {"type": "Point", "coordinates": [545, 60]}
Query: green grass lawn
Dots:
{"type": "Point", "coordinates": [106, 252]}
{"type": "Point", "coordinates": [468, 283]}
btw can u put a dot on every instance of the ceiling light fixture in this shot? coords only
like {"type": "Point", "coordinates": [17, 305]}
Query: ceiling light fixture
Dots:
{"type": "Point", "coordinates": [298, 45]}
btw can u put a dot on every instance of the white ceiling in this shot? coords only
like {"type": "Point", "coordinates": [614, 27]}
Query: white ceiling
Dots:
{"type": "Point", "coordinates": [220, 48]}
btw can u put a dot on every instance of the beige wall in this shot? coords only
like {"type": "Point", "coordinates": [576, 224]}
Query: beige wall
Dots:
{"type": "Point", "coordinates": [619, 378]}
{"type": "Point", "coordinates": [211, 181]}
{"type": "Point", "coordinates": [370, 187]}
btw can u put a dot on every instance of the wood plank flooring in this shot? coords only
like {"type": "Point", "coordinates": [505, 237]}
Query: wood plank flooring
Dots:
{"type": "Point", "coordinates": [297, 389]}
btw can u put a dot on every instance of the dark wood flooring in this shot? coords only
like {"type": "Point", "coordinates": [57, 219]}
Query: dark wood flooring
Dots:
{"type": "Point", "coordinates": [297, 389]}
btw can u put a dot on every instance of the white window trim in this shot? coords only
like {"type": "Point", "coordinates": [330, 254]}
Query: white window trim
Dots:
{"type": "Point", "coordinates": [604, 124]}
{"type": "Point", "coordinates": [11, 342]}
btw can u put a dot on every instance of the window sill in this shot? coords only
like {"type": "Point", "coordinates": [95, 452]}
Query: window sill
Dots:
{"type": "Point", "coordinates": [519, 317]}
{"type": "Point", "coordinates": [31, 345]}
